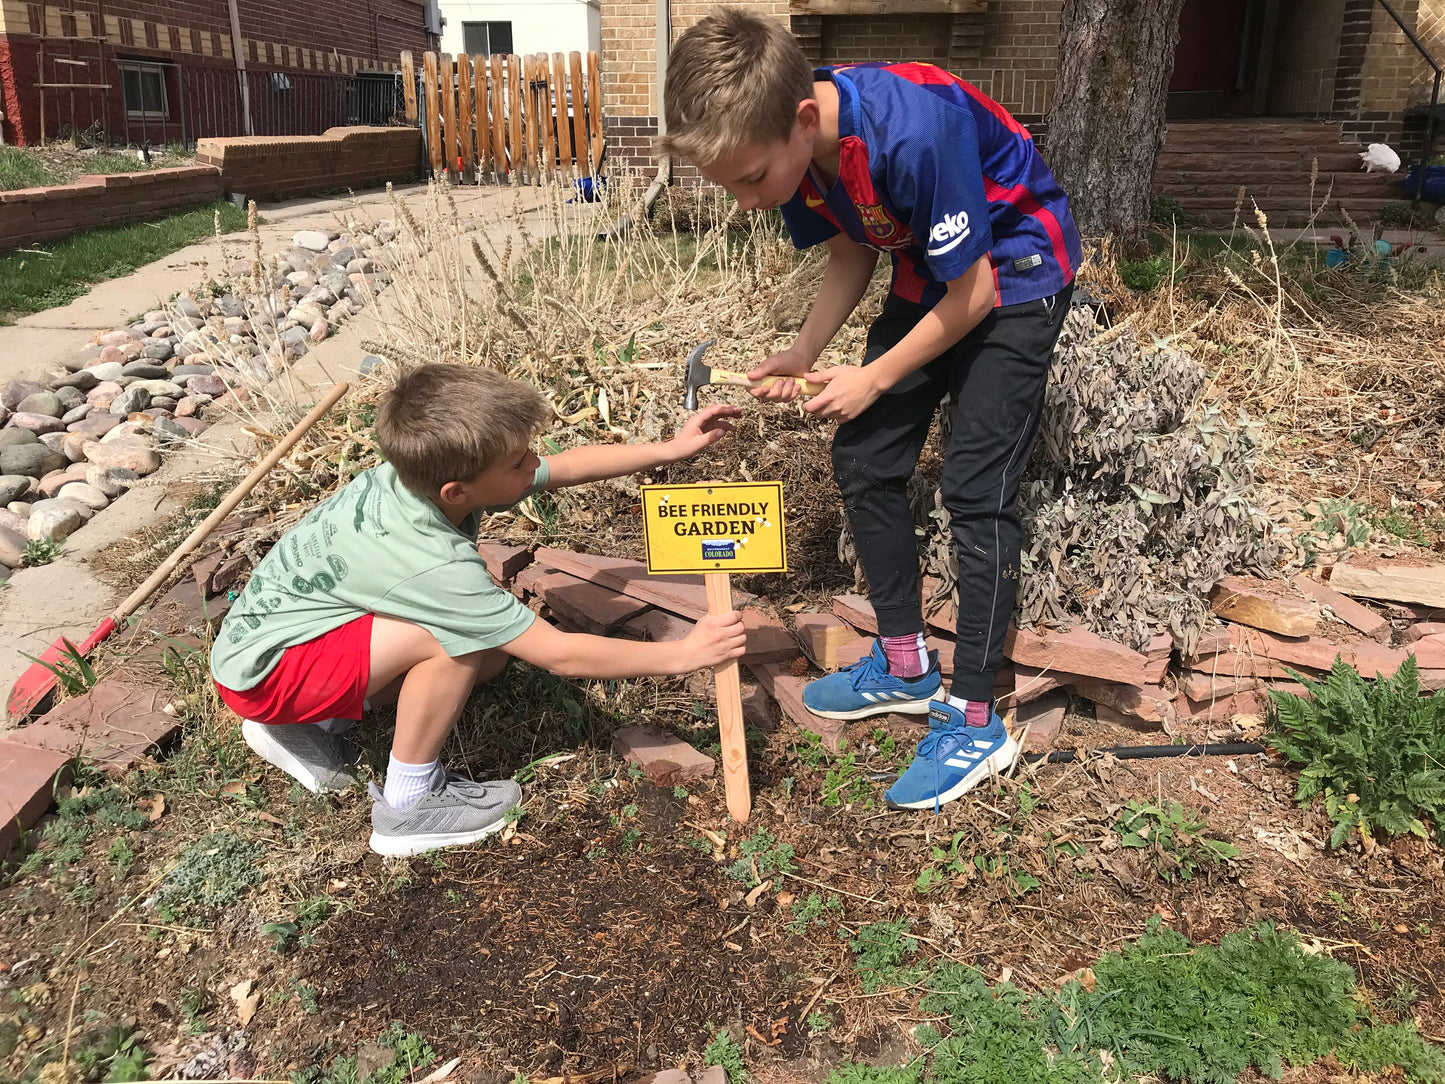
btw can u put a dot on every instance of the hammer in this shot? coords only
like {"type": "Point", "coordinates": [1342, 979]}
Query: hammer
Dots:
{"type": "Point", "coordinates": [699, 374]}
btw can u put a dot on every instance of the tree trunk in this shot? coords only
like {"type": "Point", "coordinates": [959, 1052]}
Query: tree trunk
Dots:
{"type": "Point", "coordinates": [1106, 123]}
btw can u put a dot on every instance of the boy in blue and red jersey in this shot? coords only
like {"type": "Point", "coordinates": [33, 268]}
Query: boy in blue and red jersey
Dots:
{"type": "Point", "coordinates": [910, 160]}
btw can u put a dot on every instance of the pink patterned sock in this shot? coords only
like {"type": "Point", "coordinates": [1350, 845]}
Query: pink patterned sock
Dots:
{"type": "Point", "coordinates": [975, 712]}
{"type": "Point", "coordinates": [907, 655]}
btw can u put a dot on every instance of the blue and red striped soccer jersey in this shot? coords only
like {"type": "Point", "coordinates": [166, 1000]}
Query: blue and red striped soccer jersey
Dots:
{"type": "Point", "coordinates": [938, 175]}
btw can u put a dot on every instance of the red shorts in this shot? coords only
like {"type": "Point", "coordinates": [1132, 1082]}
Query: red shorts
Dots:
{"type": "Point", "coordinates": [324, 678]}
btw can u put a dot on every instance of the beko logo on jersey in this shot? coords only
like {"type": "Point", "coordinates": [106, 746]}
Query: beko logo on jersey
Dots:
{"type": "Point", "coordinates": [948, 234]}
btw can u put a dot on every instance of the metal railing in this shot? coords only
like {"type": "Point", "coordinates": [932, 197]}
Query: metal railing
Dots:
{"type": "Point", "coordinates": [1428, 151]}
{"type": "Point", "coordinates": [173, 103]}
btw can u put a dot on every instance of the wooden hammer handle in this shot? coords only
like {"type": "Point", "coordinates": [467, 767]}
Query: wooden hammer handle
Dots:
{"type": "Point", "coordinates": [740, 380]}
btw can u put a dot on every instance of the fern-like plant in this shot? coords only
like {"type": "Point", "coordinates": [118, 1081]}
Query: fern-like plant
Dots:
{"type": "Point", "coordinates": [1374, 750]}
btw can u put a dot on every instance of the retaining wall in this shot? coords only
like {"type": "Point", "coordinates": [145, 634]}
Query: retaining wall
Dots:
{"type": "Point", "coordinates": [28, 215]}
{"type": "Point", "coordinates": [262, 167]}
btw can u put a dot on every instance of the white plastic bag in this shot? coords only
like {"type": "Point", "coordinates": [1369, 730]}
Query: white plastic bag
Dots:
{"type": "Point", "coordinates": [1379, 158]}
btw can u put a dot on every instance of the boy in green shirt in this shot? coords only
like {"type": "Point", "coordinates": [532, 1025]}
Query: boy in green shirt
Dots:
{"type": "Point", "coordinates": [378, 595]}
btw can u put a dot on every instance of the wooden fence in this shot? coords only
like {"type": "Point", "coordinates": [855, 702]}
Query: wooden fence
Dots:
{"type": "Point", "coordinates": [488, 117]}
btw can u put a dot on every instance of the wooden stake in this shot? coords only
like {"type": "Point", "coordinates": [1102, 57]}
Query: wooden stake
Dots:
{"type": "Point", "coordinates": [449, 117]}
{"type": "Point", "coordinates": [730, 708]}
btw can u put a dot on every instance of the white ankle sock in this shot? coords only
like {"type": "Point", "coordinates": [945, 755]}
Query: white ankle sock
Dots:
{"type": "Point", "coordinates": [406, 783]}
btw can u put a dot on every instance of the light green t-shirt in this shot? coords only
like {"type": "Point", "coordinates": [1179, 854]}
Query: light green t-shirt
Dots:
{"type": "Point", "coordinates": [372, 547]}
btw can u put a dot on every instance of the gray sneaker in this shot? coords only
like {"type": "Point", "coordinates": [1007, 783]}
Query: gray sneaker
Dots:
{"type": "Point", "coordinates": [457, 811]}
{"type": "Point", "coordinates": [319, 761]}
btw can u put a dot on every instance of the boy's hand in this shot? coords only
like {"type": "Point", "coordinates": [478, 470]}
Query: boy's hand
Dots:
{"type": "Point", "coordinates": [851, 389]}
{"type": "Point", "coordinates": [714, 640]}
{"type": "Point", "coordinates": [708, 426]}
{"type": "Point", "coordinates": [786, 363]}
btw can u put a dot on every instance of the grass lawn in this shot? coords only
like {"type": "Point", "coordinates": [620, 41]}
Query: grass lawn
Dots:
{"type": "Point", "coordinates": [35, 279]}
{"type": "Point", "coordinates": [27, 167]}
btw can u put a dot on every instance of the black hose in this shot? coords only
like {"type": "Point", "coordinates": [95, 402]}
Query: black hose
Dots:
{"type": "Point", "coordinates": [1149, 752]}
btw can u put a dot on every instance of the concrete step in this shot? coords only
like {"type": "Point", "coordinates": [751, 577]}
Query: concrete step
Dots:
{"type": "Point", "coordinates": [1243, 162]}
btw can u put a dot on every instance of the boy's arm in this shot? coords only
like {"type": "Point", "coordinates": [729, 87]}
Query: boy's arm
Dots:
{"type": "Point", "coordinates": [593, 462]}
{"type": "Point", "coordinates": [852, 389]}
{"type": "Point", "coordinates": [845, 281]}
{"type": "Point", "coordinates": [577, 654]}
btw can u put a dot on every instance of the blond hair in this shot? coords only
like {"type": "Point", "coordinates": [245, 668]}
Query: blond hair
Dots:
{"type": "Point", "coordinates": [733, 79]}
{"type": "Point", "coordinates": [448, 423]}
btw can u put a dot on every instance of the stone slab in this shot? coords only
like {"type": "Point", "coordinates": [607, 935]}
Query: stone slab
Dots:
{"type": "Point", "coordinates": [1040, 720]}
{"type": "Point", "coordinates": [664, 758]}
{"type": "Point", "coordinates": [28, 779]}
{"type": "Point", "coordinates": [685, 596]}
{"type": "Point", "coordinates": [184, 608]}
{"type": "Point", "coordinates": [830, 641]}
{"type": "Point", "coordinates": [1084, 653]}
{"type": "Point", "coordinates": [504, 561]}
{"type": "Point", "coordinates": [1262, 604]}
{"type": "Point", "coordinates": [1423, 584]}
{"type": "Point", "coordinates": [113, 726]}
{"type": "Point", "coordinates": [586, 606]}
{"type": "Point", "coordinates": [1423, 629]}
{"type": "Point", "coordinates": [1352, 613]}
{"type": "Point", "coordinates": [1149, 703]}
{"type": "Point", "coordinates": [767, 639]}
{"type": "Point", "coordinates": [787, 689]}
{"type": "Point", "coordinates": [1316, 652]}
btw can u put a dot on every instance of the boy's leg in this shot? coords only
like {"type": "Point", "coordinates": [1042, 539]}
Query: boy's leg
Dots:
{"type": "Point", "coordinates": [996, 389]}
{"type": "Point", "coordinates": [997, 393]}
{"type": "Point", "coordinates": [422, 806]}
{"type": "Point", "coordinates": [874, 456]}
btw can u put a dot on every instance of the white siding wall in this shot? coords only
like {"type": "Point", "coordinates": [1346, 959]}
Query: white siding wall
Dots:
{"type": "Point", "coordinates": [538, 26]}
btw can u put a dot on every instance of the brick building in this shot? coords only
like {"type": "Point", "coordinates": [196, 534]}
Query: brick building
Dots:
{"type": "Point", "coordinates": [162, 71]}
{"type": "Point", "coordinates": [1329, 74]}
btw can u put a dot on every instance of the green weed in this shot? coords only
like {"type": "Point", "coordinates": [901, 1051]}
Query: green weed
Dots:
{"type": "Point", "coordinates": [810, 911]}
{"type": "Point", "coordinates": [1326, 519]}
{"type": "Point", "coordinates": [1374, 750]}
{"type": "Point", "coordinates": [214, 871]}
{"type": "Point", "coordinates": [761, 854]}
{"type": "Point", "coordinates": [880, 949]}
{"type": "Point", "coordinates": [1171, 837]}
{"type": "Point", "coordinates": [72, 670]}
{"type": "Point", "coordinates": [724, 1052]}
{"type": "Point", "coordinates": [39, 551]}
{"type": "Point", "coordinates": [859, 1073]}
{"type": "Point", "coordinates": [1146, 276]}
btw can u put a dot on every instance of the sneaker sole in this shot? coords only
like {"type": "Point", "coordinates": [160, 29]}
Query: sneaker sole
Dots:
{"type": "Point", "coordinates": [998, 762]}
{"type": "Point", "coordinates": [259, 740]}
{"type": "Point", "coordinates": [883, 707]}
{"type": "Point", "coordinates": [404, 846]}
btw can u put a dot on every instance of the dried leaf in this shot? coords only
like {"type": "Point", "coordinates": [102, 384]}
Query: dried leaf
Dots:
{"type": "Point", "coordinates": [246, 997]}
{"type": "Point", "coordinates": [269, 818]}
{"type": "Point", "coordinates": [153, 807]}
{"type": "Point", "coordinates": [235, 786]}
{"type": "Point", "coordinates": [441, 1072]}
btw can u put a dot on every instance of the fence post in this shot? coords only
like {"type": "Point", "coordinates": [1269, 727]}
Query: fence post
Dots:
{"type": "Point", "coordinates": [564, 122]}
{"type": "Point", "coordinates": [449, 116]}
{"type": "Point", "coordinates": [433, 132]}
{"type": "Point", "coordinates": [514, 111]}
{"type": "Point", "coordinates": [533, 131]}
{"type": "Point", "coordinates": [549, 136]}
{"type": "Point", "coordinates": [594, 110]}
{"type": "Point", "coordinates": [479, 100]}
{"type": "Point", "coordinates": [499, 118]}
{"type": "Point", "coordinates": [408, 86]}
{"type": "Point", "coordinates": [579, 114]}
{"type": "Point", "coordinates": [464, 111]}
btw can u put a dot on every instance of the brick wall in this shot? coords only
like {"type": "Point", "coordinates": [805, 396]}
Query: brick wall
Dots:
{"type": "Point", "coordinates": [1307, 54]}
{"type": "Point", "coordinates": [29, 215]}
{"type": "Point", "coordinates": [276, 167]}
{"type": "Point", "coordinates": [854, 38]}
{"type": "Point", "coordinates": [354, 35]}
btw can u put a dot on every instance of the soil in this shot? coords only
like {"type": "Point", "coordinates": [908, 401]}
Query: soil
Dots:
{"type": "Point", "coordinates": [604, 931]}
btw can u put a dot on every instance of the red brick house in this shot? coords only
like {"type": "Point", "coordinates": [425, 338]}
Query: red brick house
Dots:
{"type": "Point", "coordinates": [1261, 88]}
{"type": "Point", "coordinates": [161, 71]}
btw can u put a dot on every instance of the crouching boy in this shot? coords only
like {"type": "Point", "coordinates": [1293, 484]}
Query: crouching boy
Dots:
{"type": "Point", "coordinates": [378, 595]}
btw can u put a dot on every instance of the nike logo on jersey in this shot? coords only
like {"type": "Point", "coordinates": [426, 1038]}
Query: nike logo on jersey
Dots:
{"type": "Point", "coordinates": [949, 233]}
{"type": "Point", "coordinates": [811, 201]}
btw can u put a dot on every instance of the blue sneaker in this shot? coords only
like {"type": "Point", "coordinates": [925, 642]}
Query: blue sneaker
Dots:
{"type": "Point", "coordinates": [952, 759]}
{"type": "Point", "coordinates": [867, 688]}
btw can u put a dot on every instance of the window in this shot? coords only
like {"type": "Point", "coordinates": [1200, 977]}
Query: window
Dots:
{"type": "Point", "coordinates": [144, 89]}
{"type": "Point", "coordinates": [484, 39]}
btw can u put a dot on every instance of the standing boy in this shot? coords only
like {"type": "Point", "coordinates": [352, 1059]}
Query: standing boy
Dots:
{"type": "Point", "coordinates": [906, 159]}
{"type": "Point", "coordinates": [379, 596]}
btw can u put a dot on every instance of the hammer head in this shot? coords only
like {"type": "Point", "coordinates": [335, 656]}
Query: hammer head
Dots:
{"type": "Point", "coordinates": [696, 374]}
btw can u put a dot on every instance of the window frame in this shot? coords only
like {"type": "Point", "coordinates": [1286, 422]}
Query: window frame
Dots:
{"type": "Point", "coordinates": [141, 69]}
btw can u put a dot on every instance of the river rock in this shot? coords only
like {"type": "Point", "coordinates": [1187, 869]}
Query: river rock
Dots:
{"type": "Point", "coordinates": [12, 393]}
{"type": "Point", "coordinates": [336, 281]}
{"type": "Point", "coordinates": [361, 266]}
{"type": "Point", "coordinates": [157, 349]}
{"type": "Point", "coordinates": [82, 381]}
{"type": "Point", "coordinates": [211, 385]}
{"type": "Point", "coordinates": [108, 371]}
{"type": "Point", "coordinates": [103, 394]}
{"type": "Point", "coordinates": [188, 308]}
{"type": "Point", "coordinates": [301, 280]}
{"type": "Point", "coordinates": [70, 398]}
{"type": "Point", "coordinates": [10, 438]}
{"type": "Point", "coordinates": [131, 400]}
{"type": "Point", "coordinates": [295, 339]}
{"type": "Point", "coordinates": [12, 547]}
{"type": "Point", "coordinates": [182, 374]}
{"type": "Point", "coordinates": [169, 432]}
{"type": "Point", "coordinates": [70, 417]}
{"type": "Point", "coordinates": [36, 423]}
{"type": "Point", "coordinates": [230, 305]}
{"type": "Point", "coordinates": [51, 484]}
{"type": "Point", "coordinates": [96, 424]}
{"type": "Point", "coordinates": [192, 426]}
{"type": "Point", "coordinates": [156, 387]}
{"type": "Point", "coordinates": [73, 447]}
{"type": "Point", "coordinates": [146, 370]}
{"type": "Point", "coordinates": [34, 460]}
{"type": "Point", "coordinates": [13, 487]}
{"type": "Point", "coordinates": [343, 255]}
{"type": "Point", "coordinates": [319, 330]}
{"type": "Point", "coordinates": [133, 453]}
{"type": "Point", "coordinates": [320, 296]}
{"type": "Point", "coordinates": [111, 481]}
{"type": "Point", "coordinates": [53, 440]}
{"type": "Point", "coordinates": [86, 494]}
{"type": "Point", "coordinates": [117, 338]}
{"type": "Point", "coordinates": [53, 520]}
{"type": "Point", "coordinates": [311, 240]}
{"type": "Point", "coordinates": [307, 313]}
